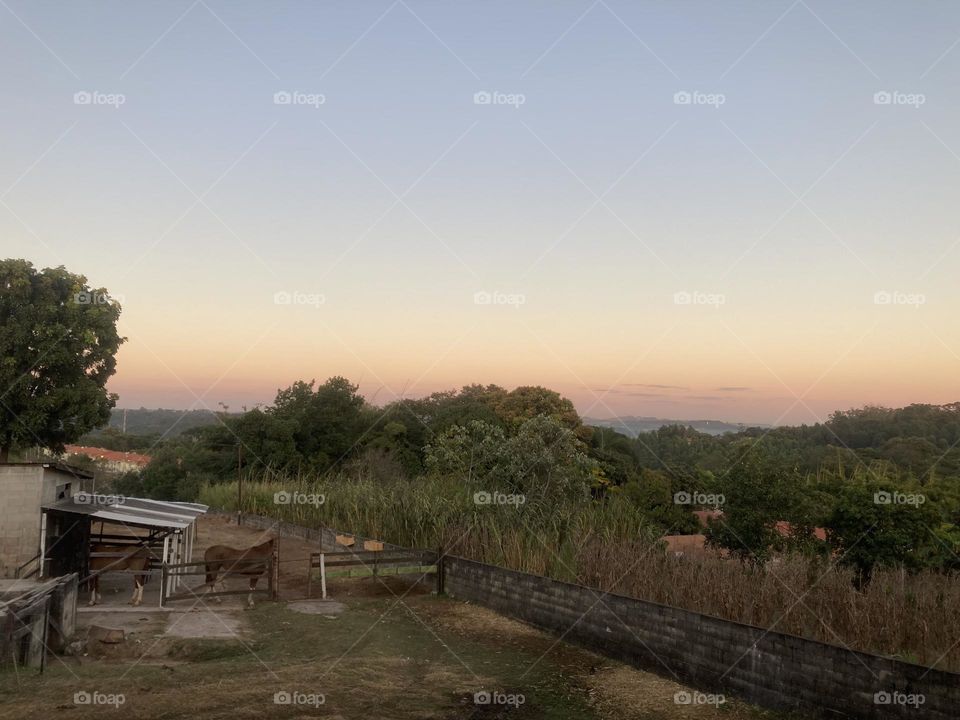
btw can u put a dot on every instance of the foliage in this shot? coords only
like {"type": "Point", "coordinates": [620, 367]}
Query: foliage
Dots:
{"type": "Point", "coordinates": [58, 339]}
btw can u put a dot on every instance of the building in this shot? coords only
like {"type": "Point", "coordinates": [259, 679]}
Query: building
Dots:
{"type": "Point", "coordinates": [25, 488]}
{"type": "Point", "coordinates": [115, 460]}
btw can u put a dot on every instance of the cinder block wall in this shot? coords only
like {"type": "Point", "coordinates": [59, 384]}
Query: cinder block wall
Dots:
{"type": "Point", "coordinates": [767, 668]}
{"type": "Point", "coordinates": [20, 489]}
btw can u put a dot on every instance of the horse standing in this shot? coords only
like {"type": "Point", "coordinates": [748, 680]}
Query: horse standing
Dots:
{"type": "Point", "coordinates": [221, 560]}
{"type": "Point", "coordinates": [138, 559]}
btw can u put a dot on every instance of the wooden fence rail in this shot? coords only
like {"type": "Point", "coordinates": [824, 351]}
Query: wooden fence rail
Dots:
{"type": "Point", "coordinates": [369, 563]}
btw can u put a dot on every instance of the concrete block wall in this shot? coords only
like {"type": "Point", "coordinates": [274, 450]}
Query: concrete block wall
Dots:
{"type": "Point", "coordinates": [20, 489]}
{"type": "Point", "coordinates": [767, 668]}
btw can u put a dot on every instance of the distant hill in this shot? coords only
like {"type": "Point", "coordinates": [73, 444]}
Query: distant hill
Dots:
{"type": "Point", "coordinates": [632, 425]}
{"type": "Point", "coordinates": [158, 422]}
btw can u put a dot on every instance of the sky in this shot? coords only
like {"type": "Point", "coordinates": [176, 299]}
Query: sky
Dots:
{"type": "Point", "coordinates": [738, 211]}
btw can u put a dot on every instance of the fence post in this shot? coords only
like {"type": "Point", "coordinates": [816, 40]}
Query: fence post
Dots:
{"type": "Point", "coordinates": [441, 580]}
{"type": "Point", "coordinates": [163, 582]}
{"type": "Point", "coordinates": [323, 577]}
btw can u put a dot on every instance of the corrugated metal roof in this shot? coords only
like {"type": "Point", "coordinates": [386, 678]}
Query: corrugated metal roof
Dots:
{"type": "Point", "coordinates": [131, 511]}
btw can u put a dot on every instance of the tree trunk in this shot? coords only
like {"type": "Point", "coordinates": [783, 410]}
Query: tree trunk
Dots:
{"type": "Point", "coordinates": [4, 454]}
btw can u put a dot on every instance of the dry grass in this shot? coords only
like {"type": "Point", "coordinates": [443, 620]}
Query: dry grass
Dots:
{"type": "Point", "coordinates": [912, 617]}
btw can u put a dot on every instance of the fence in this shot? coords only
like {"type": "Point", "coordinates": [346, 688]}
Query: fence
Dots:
{"type": "Point", "coordinates": [35, 617]}
{"type": "Point", "coordinates": [173, 575]}
{"type": "Point", "coordinates": [762, 666]}
{"type": "Point", "coordinates": [370, 563]}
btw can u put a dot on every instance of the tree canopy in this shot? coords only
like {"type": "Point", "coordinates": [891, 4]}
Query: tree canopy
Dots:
{"type": "Point", "coordinates": [58, 341]}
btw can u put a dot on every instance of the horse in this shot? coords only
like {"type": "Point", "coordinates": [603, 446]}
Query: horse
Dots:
{"type": "Point", "coordinates": [138, 559]}
{"type": "Point", "coordinates": [221, 560]}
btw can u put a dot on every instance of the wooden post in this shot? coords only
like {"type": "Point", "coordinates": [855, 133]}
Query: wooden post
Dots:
{"type": "Point", "coordinates": [309, 574]}
{"type": "Point", "coordinates": [323, 577]}
{"type": "Point", "coordinates": [165, 558]}
{"type": "Point", "coordinates": [440, 578]}
{"type": "Point", "coordinates": [163, 581]}
{"type": "Point", "coordinates": [239, 482]}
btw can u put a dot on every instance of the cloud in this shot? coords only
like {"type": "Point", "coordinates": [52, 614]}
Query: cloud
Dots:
{"type": "Point", "coordinates": [615, 391]}
{"type": "Point", "coordinates": [733, 388]}
{"type": "Point", "coordinates": [655, 386]}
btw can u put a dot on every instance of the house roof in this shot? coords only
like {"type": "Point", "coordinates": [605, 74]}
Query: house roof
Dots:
{"type": "Point", "coordinates": [56, 466]}
{"type": "Point", "coordinates": [108, 455]}
{"type": "Point", "coordinates": [139, 512]}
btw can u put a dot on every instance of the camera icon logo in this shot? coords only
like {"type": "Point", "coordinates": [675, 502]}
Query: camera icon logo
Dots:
{"type": "Point", "coordinates": [282, 698]}
{"type": "Point", "coordinates": [282, 498]}
{"type": "Point", "coordinates": [882, 97]}
{"type": "Point", "coordinates": [282, 98]}
{"type": "Point", "coordinates": [82, 698]}
{"type": "Point", "coordinates": [482, 698]}
{"type": "Point", "coordinates": [882, 497]}
{"type": "Point", "coordinates": [682, 498]}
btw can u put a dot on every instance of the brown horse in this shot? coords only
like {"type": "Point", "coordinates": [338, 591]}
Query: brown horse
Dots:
{"type": "Point", "coordinates": [220, 561]}
{"type": "Point", "coordinates": [138, 558]}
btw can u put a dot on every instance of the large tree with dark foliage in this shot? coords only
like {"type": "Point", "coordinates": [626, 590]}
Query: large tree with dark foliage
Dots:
{"type": "Point", "coordinates": [58, 341]}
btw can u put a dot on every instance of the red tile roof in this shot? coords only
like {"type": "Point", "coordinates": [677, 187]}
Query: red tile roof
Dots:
{"type": "Point", "coordinates": [96, 453]}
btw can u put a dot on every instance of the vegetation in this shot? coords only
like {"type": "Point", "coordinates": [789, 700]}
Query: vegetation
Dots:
{"type": "Point", "coordinates": [864, 531]}
{"type": "Point", "coordinates": [58, 339]}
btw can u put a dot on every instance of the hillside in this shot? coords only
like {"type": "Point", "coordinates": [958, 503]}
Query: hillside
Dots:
{"type": "Point", "coordinates": [633, 425]}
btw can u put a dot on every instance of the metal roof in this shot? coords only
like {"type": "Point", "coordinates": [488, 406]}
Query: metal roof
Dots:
{"type": "Point", "coordinates": [131, 511]}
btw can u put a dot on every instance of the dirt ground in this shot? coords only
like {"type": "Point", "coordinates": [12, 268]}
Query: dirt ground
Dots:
{"type": "Point", "coordinates": [375, 649]}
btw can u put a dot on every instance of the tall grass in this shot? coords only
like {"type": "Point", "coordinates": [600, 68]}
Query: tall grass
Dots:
{"type": "Point", "coordinates": [536, 536]}
{"type": "Point", "coordinates": [609, 546]}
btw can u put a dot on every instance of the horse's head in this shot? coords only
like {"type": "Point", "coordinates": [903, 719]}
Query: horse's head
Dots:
{"type": "Point", "coordinates": [267, 546]}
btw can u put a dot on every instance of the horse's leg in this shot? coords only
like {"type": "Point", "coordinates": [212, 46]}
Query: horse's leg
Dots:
{"type": "Point", "coordinates": [94, 584]}
{"type": "Point", "coordinates": [253, 586]}
{"type": "Point", "coordinates": [136, 591]}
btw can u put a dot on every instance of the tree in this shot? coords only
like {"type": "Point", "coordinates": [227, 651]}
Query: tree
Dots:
{"type": "Point", "coordinates": [527, 402]}
{"type": "Point", "coordinates": [327, 423]}
{"type": "Point", "coordinates": [544, 460]}
{"type": "Point", "coordinates": [58, 341]}
{"type": "Point", "coordinates": [878, 525]}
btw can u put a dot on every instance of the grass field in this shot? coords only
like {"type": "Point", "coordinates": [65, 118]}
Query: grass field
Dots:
{"type": "Point", "coordinates": [424, 657]}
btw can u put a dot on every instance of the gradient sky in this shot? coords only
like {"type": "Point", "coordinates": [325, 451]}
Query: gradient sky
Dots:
{"type": "Point", "coordinates": [595, 201]}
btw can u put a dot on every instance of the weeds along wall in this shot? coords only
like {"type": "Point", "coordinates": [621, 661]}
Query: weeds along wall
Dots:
{"type": "Point", "coordinates": [767, 668]}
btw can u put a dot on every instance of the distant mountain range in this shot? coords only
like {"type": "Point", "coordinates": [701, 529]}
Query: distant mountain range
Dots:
{"type": "Point", "coordinates": [632, 425]}
{"type": "Point", "coordinates": [145, 421]}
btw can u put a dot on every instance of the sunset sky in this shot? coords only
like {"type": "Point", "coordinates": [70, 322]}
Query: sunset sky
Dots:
{"type": "Point", "coordinates": [736, 211]}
